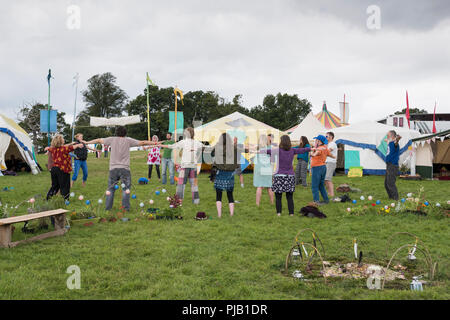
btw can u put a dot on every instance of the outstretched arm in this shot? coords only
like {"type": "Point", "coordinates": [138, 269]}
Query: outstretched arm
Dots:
{"type": "Point", "coordinates": [95, 141]}
{"type": "Point", "coordinates": [298, 150]}
{"type": "Point", "coordinates": [147, 143]}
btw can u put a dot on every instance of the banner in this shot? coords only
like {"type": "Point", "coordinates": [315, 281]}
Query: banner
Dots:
{"type": "Point", "coordinates": [344, 111]}
{"type": "Point", "coordinates": [44, 121]}
{"type": "Point", "coordinates": [180, 122]}
{"type": "Point", "coordinates": [111, 122]}
{"type": "Point", "coordinates": [351, 159]}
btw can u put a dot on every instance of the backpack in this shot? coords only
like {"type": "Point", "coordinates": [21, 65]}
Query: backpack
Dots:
{"type": "Point", "coordinates": [81, 153]}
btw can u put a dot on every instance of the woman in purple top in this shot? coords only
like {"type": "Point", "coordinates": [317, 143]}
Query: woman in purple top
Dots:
{"type": "Point", "coordinates": [284, 178]}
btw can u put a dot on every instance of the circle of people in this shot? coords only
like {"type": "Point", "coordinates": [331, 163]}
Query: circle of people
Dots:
{"type": "Point", "coordinates": [225, 160]}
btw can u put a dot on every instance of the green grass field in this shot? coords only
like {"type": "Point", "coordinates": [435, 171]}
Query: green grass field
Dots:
{"type": "Point", "coordinates": [232, 258]}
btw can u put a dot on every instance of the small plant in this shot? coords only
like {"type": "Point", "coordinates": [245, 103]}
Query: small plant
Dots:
{"type": "Point", "coordinates": [174, 211]}
{"type": "Point", "coordinates": [360, 210]}
{"type": "Point", "coordinates": [404, 169]}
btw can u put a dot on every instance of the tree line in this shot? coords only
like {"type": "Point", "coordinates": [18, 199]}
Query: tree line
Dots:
{"type": "Point", "coordinates": [104, 98]}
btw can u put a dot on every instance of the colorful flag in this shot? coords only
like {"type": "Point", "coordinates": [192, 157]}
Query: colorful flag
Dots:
{"type": "Point", "coordinates": [407, 109]}
{"type": "Point", "coordinates": [434, 119]}
{"type": "Point", "coordinates": [149, 81]}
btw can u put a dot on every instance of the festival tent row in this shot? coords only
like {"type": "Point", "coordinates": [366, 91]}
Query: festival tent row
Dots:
{"type": "Point", "coordinates": [244, 128]}
{"type": "Point", "coordinates": [432, 150]}
{"type": "Point", "coordinates": [310, 127]}
{"type": "Point", "coordinates": [364, 145]}
{"type": "Point", "coordinates": [325, 118]}
{"type": "Point", "coordinates": [15, 143]}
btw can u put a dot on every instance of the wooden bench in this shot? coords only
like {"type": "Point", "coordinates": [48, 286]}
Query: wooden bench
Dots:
{"type": "Point", "coordinates": [6, 227]}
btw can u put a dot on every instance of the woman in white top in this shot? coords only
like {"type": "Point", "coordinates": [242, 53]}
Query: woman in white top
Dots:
{"type": "Point", "coordinates": [192, 155]}
{"type": "Point", "coordinates": [331, 164]}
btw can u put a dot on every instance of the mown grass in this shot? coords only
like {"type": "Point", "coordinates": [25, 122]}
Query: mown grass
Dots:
{"type": "Point", "coordinates": [232, 258]}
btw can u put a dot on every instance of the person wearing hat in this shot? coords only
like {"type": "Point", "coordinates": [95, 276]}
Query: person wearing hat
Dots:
{"type": "Point", "coordinates": [319, 169]}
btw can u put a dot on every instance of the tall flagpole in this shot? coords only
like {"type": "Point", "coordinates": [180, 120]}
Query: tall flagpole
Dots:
{"type": "Point", "coordinates": [148, 107]}
{"type": "Point", "coordinates": [175, 119]}
{"type": "Point", "coordinates": [149, 82]}
{"type": "Point", "coordinates": [177, 91]}
{"type": "Point", "coordinates": [48, 107]}
{"type": "Point", "coordinates": [75, 105]}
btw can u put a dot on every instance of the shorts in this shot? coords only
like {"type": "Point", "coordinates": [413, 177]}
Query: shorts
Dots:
{"type": "Point", "coordinates": [238, 171]}
{"type": "Point", "coordinates": [331, 167]}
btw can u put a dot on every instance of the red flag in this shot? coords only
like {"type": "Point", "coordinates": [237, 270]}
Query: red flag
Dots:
{"type": "Point", "coordinates": [434, 119]}
{"type": "Point", "coordinates": [407, 109]}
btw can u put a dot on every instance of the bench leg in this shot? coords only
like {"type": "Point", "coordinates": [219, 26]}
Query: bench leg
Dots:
{"type": "Point", "coordinates": [60, 221]}
{"type": "Point", "coordinates": [5, 236]}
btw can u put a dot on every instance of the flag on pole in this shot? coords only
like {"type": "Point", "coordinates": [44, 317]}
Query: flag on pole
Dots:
{"type": "Point", "coordinates": [75, 79]}
{"type": "Point", "coordinates": [407, 109]}
{"type": "Point", "coordinates": [149, 81]}
{"type": "Point", "coordinates": [49, 76]}
{"type": "Point", "coordinates": [178, 91]}
{"type": "Point", "coordinates": [434, 119]}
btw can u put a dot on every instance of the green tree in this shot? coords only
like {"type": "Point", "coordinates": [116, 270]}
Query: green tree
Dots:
{"type": "Point", "coordinates": [412, 111]}
{"type": "Point", "coordinates": [281, 111]}
{"type": "Point", "coordinates": [29, 120]}
{"type": "Point", "coordinates": [198, 106]}
{"type": "Point", "coordinates": [103, 98]}
{"type": "Point", "coordinates": [161, 101]}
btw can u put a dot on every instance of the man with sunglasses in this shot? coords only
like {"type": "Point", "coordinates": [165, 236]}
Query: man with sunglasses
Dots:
{"type": "Point", "coordinates": [331, 164]}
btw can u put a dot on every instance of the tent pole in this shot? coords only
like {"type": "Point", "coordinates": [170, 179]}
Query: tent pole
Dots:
{"type": "Point", "coordinates": [48, 108]}
{"type": "Point", "coordinates": [413, 162]}
{"type": "Point", "coordinates": [75, 106]}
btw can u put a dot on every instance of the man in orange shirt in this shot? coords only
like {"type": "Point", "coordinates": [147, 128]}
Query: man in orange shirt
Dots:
{"type": "Point", "coordinates": [319, 170]}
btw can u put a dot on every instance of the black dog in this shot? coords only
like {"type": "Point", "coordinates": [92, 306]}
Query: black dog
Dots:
{"type": "Point", "coordinates": [312, 212]}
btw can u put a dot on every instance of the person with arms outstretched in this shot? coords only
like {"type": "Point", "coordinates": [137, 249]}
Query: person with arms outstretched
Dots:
{"type": "Point", "coordinates": [119, 164]}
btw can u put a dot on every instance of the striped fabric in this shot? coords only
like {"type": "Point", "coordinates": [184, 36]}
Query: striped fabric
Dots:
{"type": "Point", "coordinates": [328, 119]}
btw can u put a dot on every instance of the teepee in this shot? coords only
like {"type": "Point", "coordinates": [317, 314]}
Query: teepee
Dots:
{"type": "Point", "coordinates": [328, 119]}
{"type": "Point", "coordinates": [14, 141]}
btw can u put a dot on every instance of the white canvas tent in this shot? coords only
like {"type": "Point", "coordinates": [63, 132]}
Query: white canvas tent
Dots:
{"type": "Point", "coordinates": [245, 128]}
{"type": "Point", "coordinates": [364, 145]}
{"type": "Point", "coordinates": [15, 141]}
{"type": "Point", "coordinates": [310, 127]}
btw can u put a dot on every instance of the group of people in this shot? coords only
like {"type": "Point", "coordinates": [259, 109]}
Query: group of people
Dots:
{"type": "Point", "coordinates": [273, 165]}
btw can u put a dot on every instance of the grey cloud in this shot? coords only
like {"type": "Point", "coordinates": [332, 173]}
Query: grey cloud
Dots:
{"type": "Point", "coordinates": [402, 15]}
{"type": "Point", "coordinates": [313, 48]}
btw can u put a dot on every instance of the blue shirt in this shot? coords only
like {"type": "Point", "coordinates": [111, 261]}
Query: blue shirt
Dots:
{"type": "Point", "coordinates": [393, 153]}
{"type": "Point", "coordinates": [304, 156]}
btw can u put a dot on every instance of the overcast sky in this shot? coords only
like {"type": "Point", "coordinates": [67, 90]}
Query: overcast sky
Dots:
{"type": "Point", "coordinates": [317, 49]}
